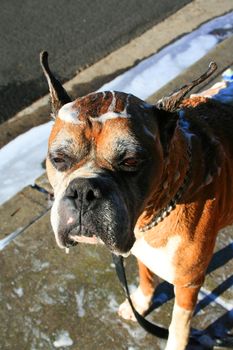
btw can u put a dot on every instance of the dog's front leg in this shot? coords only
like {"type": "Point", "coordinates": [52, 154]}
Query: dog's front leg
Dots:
{"type": "Point", "coordinates": [185, 301]}
{"type": "Point", "coordinates": [142, 296]}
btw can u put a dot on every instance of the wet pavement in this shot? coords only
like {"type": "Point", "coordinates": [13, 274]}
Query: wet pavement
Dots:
{"type": "Point", "coordinates": [50, 299]}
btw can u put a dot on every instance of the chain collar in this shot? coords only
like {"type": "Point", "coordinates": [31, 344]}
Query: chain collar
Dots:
{"type": "Point", "coordinates": [172, 204]}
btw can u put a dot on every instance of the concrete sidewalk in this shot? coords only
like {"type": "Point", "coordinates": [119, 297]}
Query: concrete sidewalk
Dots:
{"type": "Point", "coordinates": [50, 299]}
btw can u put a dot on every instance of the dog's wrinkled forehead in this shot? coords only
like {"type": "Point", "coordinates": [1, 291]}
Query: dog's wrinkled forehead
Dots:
{"type": "Point", "coordinates": [102, 106]}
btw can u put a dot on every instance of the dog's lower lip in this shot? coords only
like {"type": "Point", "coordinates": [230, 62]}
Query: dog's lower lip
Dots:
{"type": "Point", "coordinates": [84, 239]}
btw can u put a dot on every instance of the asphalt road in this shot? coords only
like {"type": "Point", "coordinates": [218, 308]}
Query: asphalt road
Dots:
{"type": "Point", "coordinates": [76, 33]}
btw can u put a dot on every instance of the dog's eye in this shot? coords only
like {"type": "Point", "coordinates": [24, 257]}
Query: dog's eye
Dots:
{"type": "Point", "coordinates": [58, 160]}
{"type": "Point", "coordinates": [130, 162]}
{"type": "Point", "coordinates": [60, 163]}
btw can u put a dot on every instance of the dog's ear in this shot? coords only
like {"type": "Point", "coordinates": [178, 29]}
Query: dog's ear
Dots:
{"type": "Point", "coordinates": [172, 102]}
{"type": "Point", "coordinates": [166, 122]}
{"type": "Point", "coordinates": [58, 94]}
{"type": "Point", "coordinates": [166, 108]}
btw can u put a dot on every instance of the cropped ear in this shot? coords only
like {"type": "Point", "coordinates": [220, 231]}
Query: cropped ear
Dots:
{"type": "Point", "coordinates": [166, 122]}
{"type": "Point", "coordinates": [58, 94]}
{"type": "Point", "coordinates": [172, 102]}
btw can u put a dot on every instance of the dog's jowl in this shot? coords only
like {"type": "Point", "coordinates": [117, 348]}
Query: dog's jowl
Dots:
{"type": "Point", "coordinates": [151, 180]}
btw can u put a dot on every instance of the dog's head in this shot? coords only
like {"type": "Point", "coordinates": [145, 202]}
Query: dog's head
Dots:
{"type": "Point", "coordinates": [105, 155]}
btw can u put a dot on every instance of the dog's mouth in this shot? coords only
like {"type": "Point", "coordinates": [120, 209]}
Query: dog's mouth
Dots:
{"type": "Point", "coordinates": [84, 239]}
{"type": "Point", "coordinates": [95, 240]}
{"type": "Point", "coordinates": [80, 234]}
{"type": "Point", "coordinates": [76, 236]}
{"type": "Point", "coordinates": [93, 232]}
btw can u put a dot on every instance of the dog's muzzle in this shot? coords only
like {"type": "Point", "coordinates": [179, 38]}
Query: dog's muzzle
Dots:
{"type": "Point", "coordinates": [92, 210]}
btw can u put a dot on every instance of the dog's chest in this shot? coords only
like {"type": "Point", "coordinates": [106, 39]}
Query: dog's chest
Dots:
{"type": "Point", "coordinates": [158, 260]}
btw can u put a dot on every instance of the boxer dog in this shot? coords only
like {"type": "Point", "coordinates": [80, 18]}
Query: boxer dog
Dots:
{"type": "Point", "coordinates": [151, 180]}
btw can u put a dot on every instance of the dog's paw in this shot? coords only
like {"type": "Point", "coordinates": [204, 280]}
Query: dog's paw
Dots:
{"type": "Point", "coordinates": [141, 303]}
{"type": "Point", "coordinates": [125, 311]}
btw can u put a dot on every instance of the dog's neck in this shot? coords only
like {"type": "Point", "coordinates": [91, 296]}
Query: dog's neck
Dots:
{"type": "Point", "coordinates": [178, 178]}
{"type": "Point", "coordinates": [175, 172]}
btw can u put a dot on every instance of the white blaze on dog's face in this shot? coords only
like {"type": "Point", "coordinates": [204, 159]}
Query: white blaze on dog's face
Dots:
{"type": "Point", "coordinates": [103, 160]}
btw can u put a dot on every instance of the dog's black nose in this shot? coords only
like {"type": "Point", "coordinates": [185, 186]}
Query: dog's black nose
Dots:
{"type": "Point", "coordinates": [85, 193]}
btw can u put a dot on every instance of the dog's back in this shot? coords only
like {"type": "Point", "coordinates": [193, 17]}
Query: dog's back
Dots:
{"type": "Point", "coordinates": [211, 117]}
{"type": "Point", "coordinates": [212, 114]}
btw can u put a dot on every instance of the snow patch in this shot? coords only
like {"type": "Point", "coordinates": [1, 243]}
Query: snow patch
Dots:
{"type": "Point", "coordinates": [80, 301]}
{"type": "Point", "coordinates": [156, 71]}
{"type": "Point", "coordinates": [21, 159]}
{"type": "Point", "coordinates": [19, 292]}
{"type": "Point", "coordinates": [63, 339]}
{"type": "Point", "coordinates": [112, 303]}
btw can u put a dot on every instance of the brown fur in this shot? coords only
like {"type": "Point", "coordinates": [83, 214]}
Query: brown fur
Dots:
{"type": "Point", "coordinates": [185, 239]}
{"type": "Point", "coordinates": [205, 209]}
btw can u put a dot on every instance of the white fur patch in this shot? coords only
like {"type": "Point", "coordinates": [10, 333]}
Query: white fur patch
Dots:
{"type": "Point", "coordinates": [69, 114]}
{"type": "Point", "coordinates": [113, 103]}
{"type": "Point", "coordinates": [179, 328]}
{"type": "Point", "coordinates": [88, 171]}
{"type": "Point", "coordinates": [158, 260]}
{"type": "Point", "coordinates": [109, 115]}
{"type": "Point", "coordinates": [140, 301]}
{"type": "Point", "coordinates": [55, 219]}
